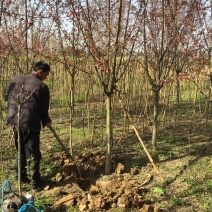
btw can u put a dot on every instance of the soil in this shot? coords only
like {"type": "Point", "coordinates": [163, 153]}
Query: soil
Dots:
{"type": "Point", "coordinates": [95, 192]}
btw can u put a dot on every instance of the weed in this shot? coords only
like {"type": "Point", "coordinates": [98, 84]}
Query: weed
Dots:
{"type": "Point", "coordinates": [56, 148]}
{"type": "Point", "coordinates": [166, 155]}
{"type": "Point", "coordinates": [158, 190]}
{"type": "Point", "coordinates": [2, 176]}
{"type": "Point", "coordinates": [72, 209]}
{"type": "Point", "coordinates": [134, 164]}
{"type": "Point", "coordinates": [176, 201]}
{"type": "Point", "coordinates": [50, 170]}
{"type": "Point", "coordinates": [169, 180]}
{"type": "Point", "coordinates": [168, 127]}
{"type": "Point", "coordinates": [199, 182]}
{"type": "Point", "coordinates": [43, 202]}
{"type": "Point", "coordinates": [137, 146]}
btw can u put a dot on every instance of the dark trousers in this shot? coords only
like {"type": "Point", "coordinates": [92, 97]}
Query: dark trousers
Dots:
{"type": "Point", "coordinates": [30, 155]}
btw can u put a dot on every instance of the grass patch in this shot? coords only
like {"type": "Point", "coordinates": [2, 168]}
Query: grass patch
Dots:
{"type": "Point", "coordinates": [158, 190]}
{"type": "Point", "coordinates": [176, 201]}
{"type": "Point", "coordinates": [198, 179]}
{"type": "Point", "coordinates": [72, 209]}
{"type": "Point", "coordinates": [43, 202]}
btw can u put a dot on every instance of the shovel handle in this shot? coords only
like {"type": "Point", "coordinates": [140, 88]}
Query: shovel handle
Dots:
{"type": "Point", "coordinates": [64, 148]}
{"type": "Point", "coordinates": [59, 140]}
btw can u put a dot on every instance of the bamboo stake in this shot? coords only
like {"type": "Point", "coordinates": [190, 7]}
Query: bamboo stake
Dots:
{"type": "Point", "coordinates": [139, 138]}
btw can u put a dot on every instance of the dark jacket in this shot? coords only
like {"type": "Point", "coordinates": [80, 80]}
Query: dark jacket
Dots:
{"type": "Point", "coordinates": [33, 96]}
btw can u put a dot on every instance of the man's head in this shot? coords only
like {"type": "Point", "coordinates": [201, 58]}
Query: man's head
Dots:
{"type": "Point", "coordinates": [41, 69]}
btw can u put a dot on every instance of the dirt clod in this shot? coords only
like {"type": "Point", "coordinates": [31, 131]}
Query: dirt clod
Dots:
{"type": "Point", "coordinates": [99, 193]}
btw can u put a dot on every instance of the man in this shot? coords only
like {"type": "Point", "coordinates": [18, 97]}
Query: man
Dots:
{"type": "Point", "coordinates": [30, 94]}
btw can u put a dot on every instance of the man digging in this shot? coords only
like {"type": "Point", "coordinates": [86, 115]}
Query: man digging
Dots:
{"type": "Point", "coordinates": [30, 94]}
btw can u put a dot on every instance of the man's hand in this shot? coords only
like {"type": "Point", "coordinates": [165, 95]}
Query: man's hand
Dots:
{"type": "Point", "coordinates": [48, 124]}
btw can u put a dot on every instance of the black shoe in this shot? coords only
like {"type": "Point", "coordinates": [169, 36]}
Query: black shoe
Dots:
{"type": "Point", "coordinates": [36, 189]}
{"type": "Point", "coordinates": [37, 186]}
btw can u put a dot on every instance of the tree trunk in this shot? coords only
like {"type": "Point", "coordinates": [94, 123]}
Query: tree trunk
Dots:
{"type": "Point", "coordinates": [26, 37]}
{"type": "Point", "coordinates": [208, 104]}
{"type": "Point", "coordinates": [71, 113]}
{"type": "Point", "coordinates": [19, 150]}
{"type": "Point", "coordinates": [72, 91]}
{"type": "Point", "coordinates": [155, 118]}
{"type": "Point", "coordinates": [178, 90]}
{"type": "Point", "coordinates": [109, 135]}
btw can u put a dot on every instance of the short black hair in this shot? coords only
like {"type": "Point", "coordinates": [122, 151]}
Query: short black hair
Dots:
{"type": "Point", "coordinates": [41, 66]}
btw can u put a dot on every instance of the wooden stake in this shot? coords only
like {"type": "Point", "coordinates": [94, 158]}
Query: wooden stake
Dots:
{"type": "Point", "coordinates": [139, 138]}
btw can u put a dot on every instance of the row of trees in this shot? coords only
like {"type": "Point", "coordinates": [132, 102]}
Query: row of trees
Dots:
{"type": "Point", "coordinates": [166, 37]}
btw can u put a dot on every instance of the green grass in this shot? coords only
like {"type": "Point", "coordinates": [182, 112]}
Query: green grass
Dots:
{"type": "Point", "coordinates": [43, 201]}
{"type": "Point", "coordinates": [2, 175]}
{"type": "Point", "coordinates": [81, 134]}
{"type": "Point", "coordinates": [198, 179]}
{"type": "Point", "coordinates": [158, 190]}
{"type": "Point", "coordinates": [72, 209]}
{"type": "Point", "coordinates": [176, 201]}
{"type": "Point", "coordinates": [49, 170]}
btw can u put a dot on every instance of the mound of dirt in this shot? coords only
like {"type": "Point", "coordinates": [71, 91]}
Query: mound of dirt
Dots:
{"type": "Point", "coordinates": [95, 192]}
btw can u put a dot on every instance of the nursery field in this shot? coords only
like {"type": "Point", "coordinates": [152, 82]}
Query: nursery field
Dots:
{"type": "Point", "coordinates": [183, 154]}
{"type": "Point", "coordinates": [130, 102]}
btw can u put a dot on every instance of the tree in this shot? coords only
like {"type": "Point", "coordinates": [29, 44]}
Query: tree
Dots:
{"type": "Point", "coordinates": [164, 26]}
{"type": "Point", "coordinates": [109, 30]}
{"type": "Point", "coordinates": [69, 55]}
{"type": "Point", "coordinates": [203, 39]}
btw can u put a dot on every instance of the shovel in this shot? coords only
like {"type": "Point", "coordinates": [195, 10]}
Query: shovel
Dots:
{"type": "Point", "coordinates": [65, 149]}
